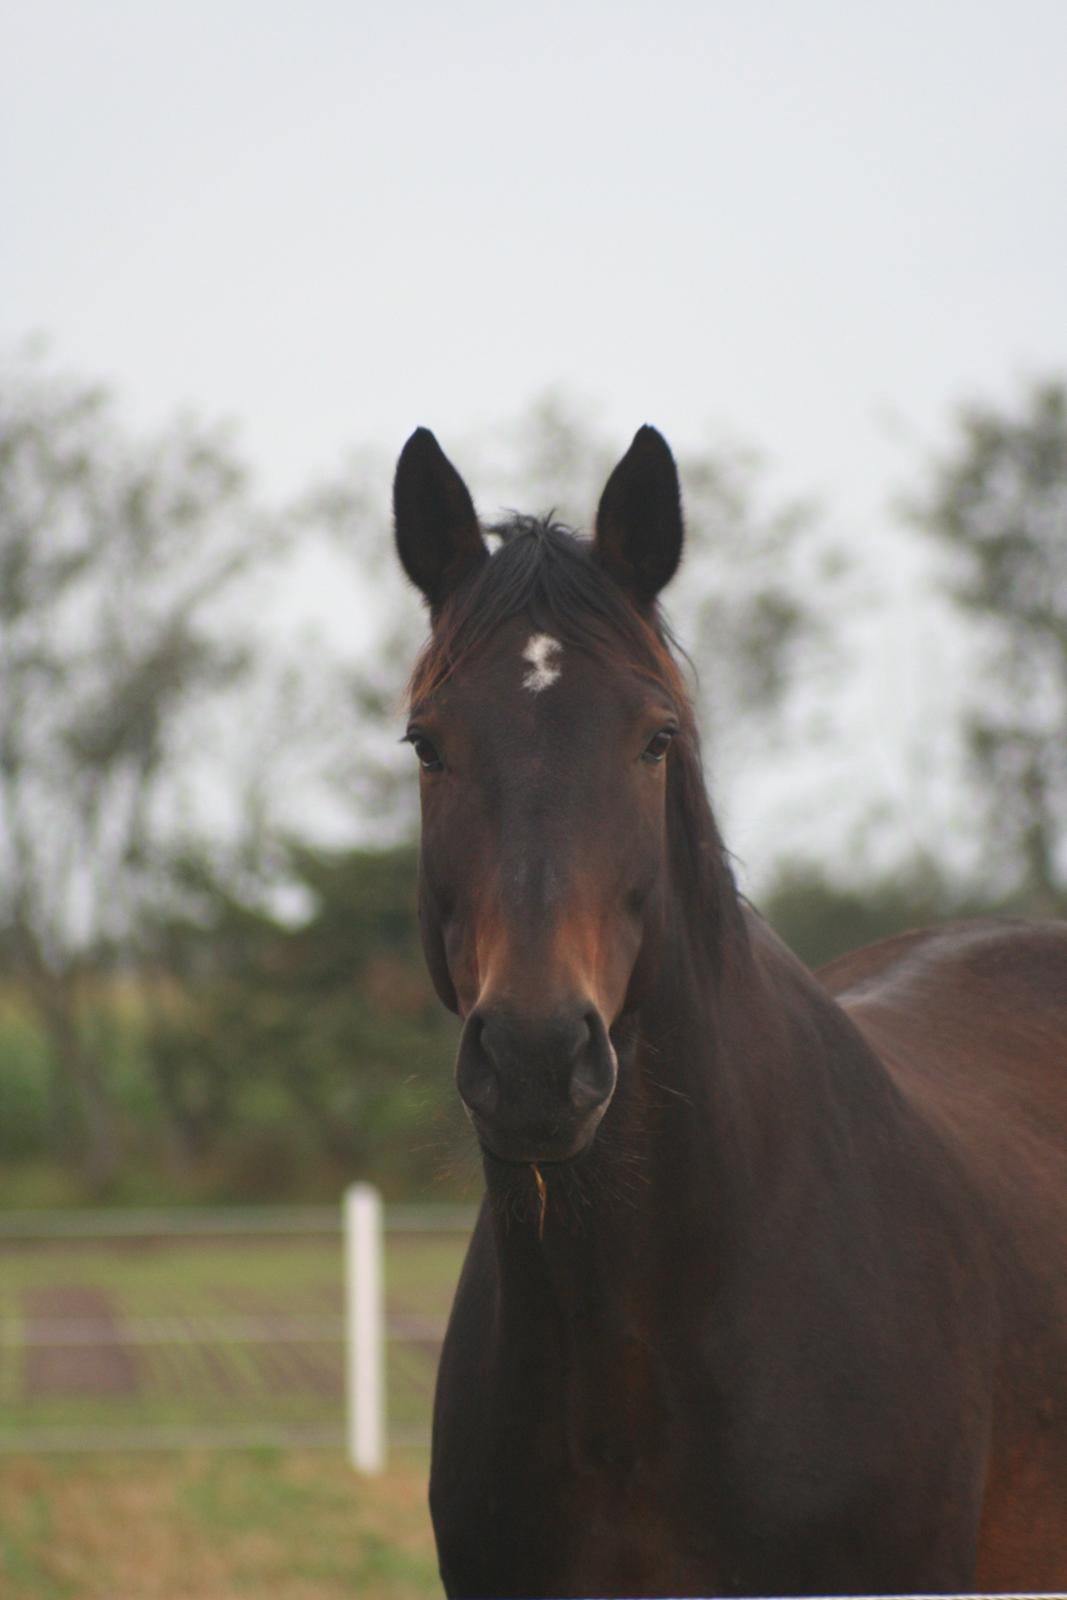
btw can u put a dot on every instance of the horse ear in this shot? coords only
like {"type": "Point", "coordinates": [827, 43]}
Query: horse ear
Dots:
{"type": "Point", "coordinates": [438, 538]}
{"type": "Point", "coordinates": [639, 521]}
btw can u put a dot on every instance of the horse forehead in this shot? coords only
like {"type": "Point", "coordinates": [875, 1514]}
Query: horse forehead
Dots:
{"type": "Point", "coordinates": [534, 680]}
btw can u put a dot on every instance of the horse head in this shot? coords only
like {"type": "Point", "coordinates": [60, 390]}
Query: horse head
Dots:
{"type": "Point", "coordinates": [546, 714]}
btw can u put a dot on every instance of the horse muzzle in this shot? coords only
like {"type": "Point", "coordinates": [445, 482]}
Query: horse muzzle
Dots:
{"type": "Point", "coordinates": [536, 1088]}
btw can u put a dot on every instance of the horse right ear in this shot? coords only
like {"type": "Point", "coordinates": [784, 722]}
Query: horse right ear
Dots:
{"type": "Point", "coordinates": [438, 538]}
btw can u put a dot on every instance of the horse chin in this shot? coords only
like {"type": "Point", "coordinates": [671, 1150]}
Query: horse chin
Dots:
{"type": "Point", "coordinates": [532, 1159]}
{"type": "Point", "coordinates": [517, 1152]}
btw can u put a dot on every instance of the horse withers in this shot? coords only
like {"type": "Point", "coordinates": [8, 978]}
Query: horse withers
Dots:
{"type": "Point", "coordinates": [768, 1291]}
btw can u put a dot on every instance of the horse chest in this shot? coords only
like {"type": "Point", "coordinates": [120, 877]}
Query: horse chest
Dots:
{"type": "Point", "coordinates": [571, 1472]}
{"type": "Point", "coordinates": [541, 1522]}
{"type": "Point", "coordinates": [648, 1460]}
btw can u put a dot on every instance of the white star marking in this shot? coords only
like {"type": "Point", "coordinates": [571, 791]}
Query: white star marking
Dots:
{"type": "Point", "coordinates": [540, 650]}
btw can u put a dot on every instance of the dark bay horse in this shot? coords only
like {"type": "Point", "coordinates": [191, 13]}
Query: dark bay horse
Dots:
{"type": "Point", "coordinates": [768, 1294]}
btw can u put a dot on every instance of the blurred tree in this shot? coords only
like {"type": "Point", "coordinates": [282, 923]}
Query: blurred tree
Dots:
{"type": "Point", "coordinates": [323, 1030]}
{"type": "Point", "coordinates": [997, 507]}
{"type": "Point", "coordinates": [116, 565]}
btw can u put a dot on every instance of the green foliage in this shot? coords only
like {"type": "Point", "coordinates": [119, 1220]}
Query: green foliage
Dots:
{"type": "Point", "coordinates": [268, 1058]}
{"type": "Point", "coordinates": [820, 918]}
{"type": "Point", "coordinates": [24, 1105]}
{"type": "Point", "coordinates": [326, 1029]}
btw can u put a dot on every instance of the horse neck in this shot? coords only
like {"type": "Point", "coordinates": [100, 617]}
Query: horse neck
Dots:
{"type": "Point", "coordinates": [758, 1091]}
{"type": "Point", "coordinates": [744, 1094]}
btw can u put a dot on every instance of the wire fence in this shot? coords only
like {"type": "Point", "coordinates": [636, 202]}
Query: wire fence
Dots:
{"type": "Point", "coordinates": [146, 1330]}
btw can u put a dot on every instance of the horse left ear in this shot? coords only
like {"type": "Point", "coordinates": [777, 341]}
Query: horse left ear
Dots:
{"type": "Point", "coordinates": [438, 538]}
{"type": "Point", "coordinates": [639, 521]}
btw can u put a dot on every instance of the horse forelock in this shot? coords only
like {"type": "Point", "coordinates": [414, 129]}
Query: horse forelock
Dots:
{"type": "Point", "coordinates": [546, 572]}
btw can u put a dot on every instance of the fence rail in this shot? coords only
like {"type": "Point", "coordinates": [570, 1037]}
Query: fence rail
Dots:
{"type": "Point", "coordinates": [242, 1221]}
{"type": "Point", "coordinates": [155, 1330]}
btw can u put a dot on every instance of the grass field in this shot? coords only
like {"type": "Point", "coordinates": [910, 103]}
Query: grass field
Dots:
{"type": "Point", "coordinates": [199, 1334]}
{"type": "Point", "coordinates": [288, 1524]}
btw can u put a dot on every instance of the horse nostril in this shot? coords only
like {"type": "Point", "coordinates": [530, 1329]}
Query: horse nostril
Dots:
{"type": "Point", "coordinates": [593, 1071]}
{"type": "Point", "coordinates": [476, 1076]}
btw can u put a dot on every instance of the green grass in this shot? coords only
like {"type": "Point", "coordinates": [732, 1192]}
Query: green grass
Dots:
{"type": "Point", "coordinates": [291, 1525]}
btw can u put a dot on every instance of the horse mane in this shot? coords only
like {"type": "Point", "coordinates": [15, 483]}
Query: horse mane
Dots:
{"type": "Point", "coordinates": [546, 572]}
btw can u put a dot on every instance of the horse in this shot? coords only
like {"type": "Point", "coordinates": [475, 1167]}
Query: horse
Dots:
{"type": "Point", "coordinates": [767, 1294]}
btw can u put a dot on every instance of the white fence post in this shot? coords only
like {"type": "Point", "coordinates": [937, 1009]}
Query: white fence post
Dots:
{"type": "Point", "coordinates": [364, 1329]}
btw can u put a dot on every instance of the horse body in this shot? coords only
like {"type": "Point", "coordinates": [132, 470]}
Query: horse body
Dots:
{"type": "Point", "coordinates": [971, 1023]}
{"type": "Point", "coordinates": [763, 1295]}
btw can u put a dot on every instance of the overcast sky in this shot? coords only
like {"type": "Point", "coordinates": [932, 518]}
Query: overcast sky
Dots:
{"type": "Point", "coordinates": [333, 221]}
{"type": "Point", "coordinates": [813, 226]}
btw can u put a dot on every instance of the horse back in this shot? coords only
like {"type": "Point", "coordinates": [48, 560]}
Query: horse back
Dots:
{"type": "Point", "coordinates": [970, 1020]}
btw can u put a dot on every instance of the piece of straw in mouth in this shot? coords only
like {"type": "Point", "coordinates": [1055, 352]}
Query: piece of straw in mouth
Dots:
{"type": "Point", "coordinates": [542, 1199]}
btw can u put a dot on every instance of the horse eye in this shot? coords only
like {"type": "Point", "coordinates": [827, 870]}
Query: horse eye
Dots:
{"type": "Point", "coordinates": [429, 760]}
{"type": "Point", "coordinates": [658, 745]}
